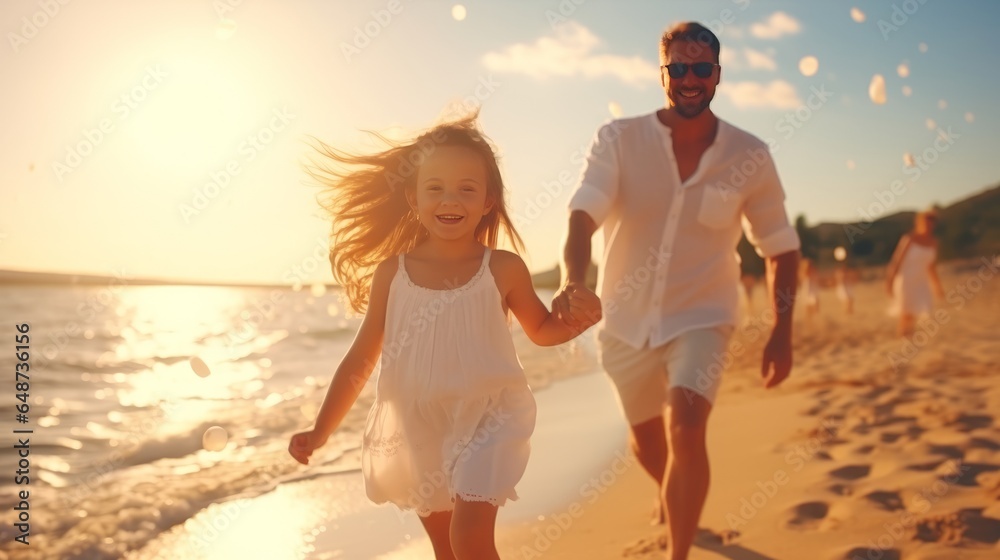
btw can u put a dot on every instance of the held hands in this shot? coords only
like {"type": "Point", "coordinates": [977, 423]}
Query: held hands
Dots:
{"type": "Point", "coordinates": [303, 444]}
{"type": "Point", "coordinates": [577, 307]}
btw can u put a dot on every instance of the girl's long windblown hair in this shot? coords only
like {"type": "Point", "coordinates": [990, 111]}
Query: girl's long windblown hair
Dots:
{"type": "Point", "coordinates": [365, 196]}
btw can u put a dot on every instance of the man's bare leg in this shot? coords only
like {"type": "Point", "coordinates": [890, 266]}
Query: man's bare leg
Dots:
{"type": "Point", "coordinates": [687, 476]}
{"type": "Point", "coordinates": [649, 444]}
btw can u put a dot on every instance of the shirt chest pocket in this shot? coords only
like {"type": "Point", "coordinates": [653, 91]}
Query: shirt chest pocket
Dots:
{"type": "Point", "coordinates": [720, 206]}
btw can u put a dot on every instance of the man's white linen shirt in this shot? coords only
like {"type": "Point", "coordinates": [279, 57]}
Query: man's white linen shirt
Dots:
{"type": "Point", "coordinates": [670, 262]}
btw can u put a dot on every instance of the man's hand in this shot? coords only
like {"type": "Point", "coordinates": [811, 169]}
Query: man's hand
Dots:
{"type": "Point", "coordinates": [777, 362]}
{"type": "Point", "coordinates": [576, 306]}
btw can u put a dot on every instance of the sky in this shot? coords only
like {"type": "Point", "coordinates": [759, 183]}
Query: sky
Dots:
{"type": "Point", "coordinates": [169, 141]}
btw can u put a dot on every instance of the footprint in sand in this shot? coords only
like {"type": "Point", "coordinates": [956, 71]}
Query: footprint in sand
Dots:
{"type": "Point", "coordinates": [963, 527]}
{"type": "Point", "coordinates": [969, 473]}
{"type": "Point", "coordinates": [990, 481]}
{"type": "Point", "coordinates": [885, 499]}
{"type": "Point", "coordinates": [970, 422]}
{"type": "Point", "coordinates": [949, 451]}
{"type": "Point", "coordinates": [890, 437]}
{"type": "Point", "coordinates": [807, 516]}
{"type": "Point", "coordinates": [851, 472]}
{"type": "Point", "coordinates": [865, 553]}
{"type": "Point", "coordinates": [984, 443]}
{"type": "Point", "coordinates": [925, 467]}
{"type": "Point", "coordinates": [841, 489]}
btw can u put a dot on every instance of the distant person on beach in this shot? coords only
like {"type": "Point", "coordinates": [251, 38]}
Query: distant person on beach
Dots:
{"type": "Point", "coordinates": [912, 278]}
{"type": "Point", "coordinates": [448, 434]}
{"type": "Point", "coordinates": [747, 282]}
{"type": "Point", "coordinates": [846, 278]}
{"type": "Point", "coordinates": [669, 190]}
{"type": "Point", "coordinates": [809, 286]}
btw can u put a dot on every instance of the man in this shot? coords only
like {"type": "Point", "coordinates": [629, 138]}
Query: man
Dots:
{"type": "Point", "coordinates": [670, 190]}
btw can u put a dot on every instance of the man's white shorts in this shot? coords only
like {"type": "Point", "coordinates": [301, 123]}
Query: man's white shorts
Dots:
{"type": "Point", "coordinates": [694, 360]}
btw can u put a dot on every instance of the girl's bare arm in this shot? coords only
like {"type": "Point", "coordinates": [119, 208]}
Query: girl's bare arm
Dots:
{"type": "Point", "coordinates": [360, 360]}
{"type": "Point", "coordinates": [542, 326]}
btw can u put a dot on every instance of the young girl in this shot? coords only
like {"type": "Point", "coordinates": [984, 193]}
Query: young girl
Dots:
{"type": "Point", "coordinates": [448, 433]}
{"type": "Point", "coordinates": [911, 278]}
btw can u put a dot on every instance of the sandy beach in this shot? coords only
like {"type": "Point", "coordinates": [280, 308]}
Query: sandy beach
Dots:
{"type": "Point", "coordinates": [876, 448]}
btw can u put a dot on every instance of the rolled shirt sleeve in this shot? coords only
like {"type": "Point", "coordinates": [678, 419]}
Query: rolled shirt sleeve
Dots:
{"type": "Point", "coordinates": [765, 219]}
{"type": "Point", "coordinates": [598, 186]}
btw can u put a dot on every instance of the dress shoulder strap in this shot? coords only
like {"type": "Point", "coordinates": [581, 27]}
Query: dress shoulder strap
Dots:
{"type": "Point", "coordinates": [486, 259]}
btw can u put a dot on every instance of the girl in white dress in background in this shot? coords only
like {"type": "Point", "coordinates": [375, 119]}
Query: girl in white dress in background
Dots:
{"type": "Point", "coordinates": [912, 278]}
{"type": "Point", "coordinates": [414, 241]}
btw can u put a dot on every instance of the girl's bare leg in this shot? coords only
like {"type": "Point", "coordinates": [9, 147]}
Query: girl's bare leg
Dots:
{"type": "Point", "coordinates": [438, 527]}
{"type": "Point", "coordinates": [472, 531]}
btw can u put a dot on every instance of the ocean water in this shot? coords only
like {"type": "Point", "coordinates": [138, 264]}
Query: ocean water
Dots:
{"type": "Point", "coordinates": [118, 413]}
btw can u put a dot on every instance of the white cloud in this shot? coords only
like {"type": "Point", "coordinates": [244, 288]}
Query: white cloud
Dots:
{"type": "Point", "coordinates": [775, 26]}
{"type": "Point", "coordinates": [733, 59]}
{"type": "Point", "coordinates": [733, 32]}
{"type": "Point", "coordinates": [570, 53]}
{"type": "Point", "coordinates": [760, 60]}
{"type": "Point", "coordinates": [778, 94]}
{"type": "Point", "coordinates": [730, 59]}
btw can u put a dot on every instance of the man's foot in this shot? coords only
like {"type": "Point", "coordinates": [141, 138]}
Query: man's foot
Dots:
{"type": "Point", "coordinates": [647, 545]}
{"type": "Point", "coordinates": [658, 517]}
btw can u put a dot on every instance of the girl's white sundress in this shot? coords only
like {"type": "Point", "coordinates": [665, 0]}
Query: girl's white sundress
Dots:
{"type": "Point", "coordinates": [911, 287]}
{"type": "Point", "coordinates": [453, 413]}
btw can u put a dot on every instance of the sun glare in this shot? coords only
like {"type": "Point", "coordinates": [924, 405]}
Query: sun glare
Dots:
{"type": "Point", "coordinates": [194, 116]}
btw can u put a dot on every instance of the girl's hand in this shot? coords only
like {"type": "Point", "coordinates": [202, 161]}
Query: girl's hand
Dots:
{"type": "Point", "coordinates": [303, 444]}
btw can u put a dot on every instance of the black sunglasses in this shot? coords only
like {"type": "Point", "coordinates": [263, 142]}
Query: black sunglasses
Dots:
{"type": "Point", "coordinates": [678, 70]}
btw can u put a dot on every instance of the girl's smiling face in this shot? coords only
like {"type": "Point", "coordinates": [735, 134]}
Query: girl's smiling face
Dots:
{"type": "Point", "coordinates": [450, 196]}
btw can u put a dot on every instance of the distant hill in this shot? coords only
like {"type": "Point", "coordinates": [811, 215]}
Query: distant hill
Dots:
{"type": "Point", "coordinates": [966, 229]}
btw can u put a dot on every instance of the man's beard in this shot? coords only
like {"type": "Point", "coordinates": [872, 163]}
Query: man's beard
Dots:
{"type": "Point", "coordinates": [684, 109]}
